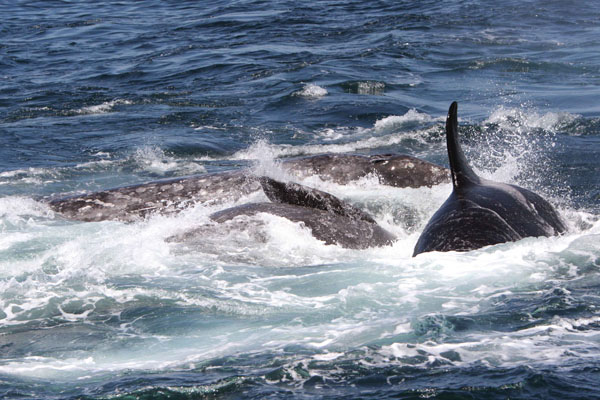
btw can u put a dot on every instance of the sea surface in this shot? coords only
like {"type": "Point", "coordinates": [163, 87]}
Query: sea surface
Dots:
{"type": "Point", "coordinates": [95, 95]}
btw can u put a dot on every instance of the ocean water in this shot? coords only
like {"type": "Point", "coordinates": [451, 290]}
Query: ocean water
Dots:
{"type": "Point", "coordinates": [95, 95]}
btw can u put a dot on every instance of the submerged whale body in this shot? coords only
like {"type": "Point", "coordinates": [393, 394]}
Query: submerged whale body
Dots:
{"type": "Point", "coordinates": [480, 212]}
{"type": "Point", "coordinates": [396, 170]}
{"type": "Point", "coordinates": [130, 203]}
{"type": "Point", "coordinates": [330, 219]}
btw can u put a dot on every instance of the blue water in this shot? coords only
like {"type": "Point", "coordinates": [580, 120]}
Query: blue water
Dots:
{"type": "Point", "coordinates": [95, 95]}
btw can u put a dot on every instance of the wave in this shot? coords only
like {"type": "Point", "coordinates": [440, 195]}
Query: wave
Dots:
{"type": "Point", "coordinates": [388, 131]}
{"type": "Point", "coordinates": [102, 108]}
{"type": "Point", "coordinates": [311, 91]}
{"type": "Point", "coordinates": [400, 308]}
{"type": "Point", "coordinates": [155, 160]}
{"type": "Point", "coordinates": [412, 117]}
{"type": "Point", "coordinates": [146, 162]}
{"type": "Point", "coordinates": [523, 65]}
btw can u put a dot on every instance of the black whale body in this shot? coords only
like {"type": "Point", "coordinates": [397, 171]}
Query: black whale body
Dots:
{"type": "Point", "coordinates": [130, 203]}
{"type": "Point", "coordinates": [480, 212]}
{"type": "Point", "coordinates": [330, 219]}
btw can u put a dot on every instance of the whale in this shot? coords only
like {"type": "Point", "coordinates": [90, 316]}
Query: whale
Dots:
{"type": "Point", "coordinates": [330, 219]}
{"type": "Point", "coordinates": [480, 212]}
{"type": "Point", "coordinates": [169, 196]}
{"type": "Point", "coordinates": [397, 170]}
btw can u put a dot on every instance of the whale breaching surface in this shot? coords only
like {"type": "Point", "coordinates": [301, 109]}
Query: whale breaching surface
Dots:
{"type": "Point", "coordinates": [480, 212]}
{"type": "Point", "coordinates": [330, 219]}
{"type": "Point", "coordinates": [169, 196]}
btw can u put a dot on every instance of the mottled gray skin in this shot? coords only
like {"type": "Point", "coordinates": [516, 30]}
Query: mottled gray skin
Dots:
{"type": "Point", "coordinates": [480, 212]}
{"type": "Point", "coordinates": [131, 203]}
{"type": "Point", "coordinates": [392, 169]}
{"type": "Point", "coordinates": [329, 218]}
{"type": "Point", "coordinates": [295, 194]}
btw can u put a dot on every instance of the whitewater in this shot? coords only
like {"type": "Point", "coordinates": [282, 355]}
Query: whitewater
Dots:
{"type": "Point", "coordinates": [103, 95]}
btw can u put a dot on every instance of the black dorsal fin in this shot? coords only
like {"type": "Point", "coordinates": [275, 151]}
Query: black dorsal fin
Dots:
{"type": "Point", "coordinates": [462, 174]}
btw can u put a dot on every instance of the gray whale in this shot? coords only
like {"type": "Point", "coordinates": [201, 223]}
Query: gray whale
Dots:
{"type": "Point", "coordinates": [396, 170]}
{"type": "Point", "coordinates": [329, 218]}
{"type": "Point", "coordinates": [168, 196]}
{"type": "Point", "coordinates": [130, 203]}
{"type": "Point", "coordinates": [480, 212]}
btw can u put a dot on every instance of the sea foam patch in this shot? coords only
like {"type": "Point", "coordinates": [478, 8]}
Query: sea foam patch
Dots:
{"type": "Point", "coordinates": [102, 108]}
{"type": "Point", "coordinates": [311, 91]}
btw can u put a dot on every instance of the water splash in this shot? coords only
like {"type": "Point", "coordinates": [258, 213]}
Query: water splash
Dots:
{"type": "Point", "coordinates": [410, 119]}
{"type": "Point", "coordinates": [312, 91]}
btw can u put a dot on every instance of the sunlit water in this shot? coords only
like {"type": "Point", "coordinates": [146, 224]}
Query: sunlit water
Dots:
{"type": "Point", "coordinates": [94, 96]}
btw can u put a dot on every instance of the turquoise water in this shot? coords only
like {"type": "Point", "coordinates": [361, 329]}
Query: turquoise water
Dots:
{"type": "Point", "coordinates": [94, 96]}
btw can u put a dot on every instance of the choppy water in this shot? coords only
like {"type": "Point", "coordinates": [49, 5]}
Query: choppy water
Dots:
{"type": "Point", "coordinates": [96, 95]}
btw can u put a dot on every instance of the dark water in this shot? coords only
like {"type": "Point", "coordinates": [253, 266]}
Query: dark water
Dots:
{"type": "Point", "coordinates": [96, 95]}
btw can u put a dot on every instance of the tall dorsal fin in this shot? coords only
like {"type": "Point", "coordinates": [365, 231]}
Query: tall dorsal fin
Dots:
{"type": "Point", "coordinates": [462, 174]}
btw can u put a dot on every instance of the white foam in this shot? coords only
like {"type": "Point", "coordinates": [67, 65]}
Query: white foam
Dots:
{"type": "Point", "coordinates": [208, 127]}
{"type": "Point", "coordinates": [278, 274]}
{"type": "Point", "coordinates": [388, 131]}
{"type": "Point", "coordinates": [364, 141]}
{"type": "Point", "coordinates": [311, 91]}
{"type": "Point", "coordinates": [393, 122]}
{"type": "Point", "coordinates": [14, 208]}
{"type": "Point", "coordinates": [330, 134]}
{"type": "Point", "coordinates": [361, 295]}
{"type": "Point", "coordinates": [546, 344]}
{"type": "Point", "coordinates": [102, 108]}
{"type": "Point", "coordinates": [12, 238]}
{"type": "Point", "coordinates": [154, 159]}
{"type": "Point", "coordinates": [35, 176]}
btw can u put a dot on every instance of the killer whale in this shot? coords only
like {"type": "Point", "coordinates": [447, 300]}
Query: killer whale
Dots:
{"type": "Point", "coordinates": [134, 202]}
{"type": "Point", "coordinates": [330, 219]}
{"type": "Point", "coordinates": [480, 212]}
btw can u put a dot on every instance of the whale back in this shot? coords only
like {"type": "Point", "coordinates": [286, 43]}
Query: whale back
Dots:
{"type": "Point", "coordinates": [399, 170]}
{"type": "Point", "coordinates": [330, 219]}
{"type": "Point", "coordinates": [298, 195]}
